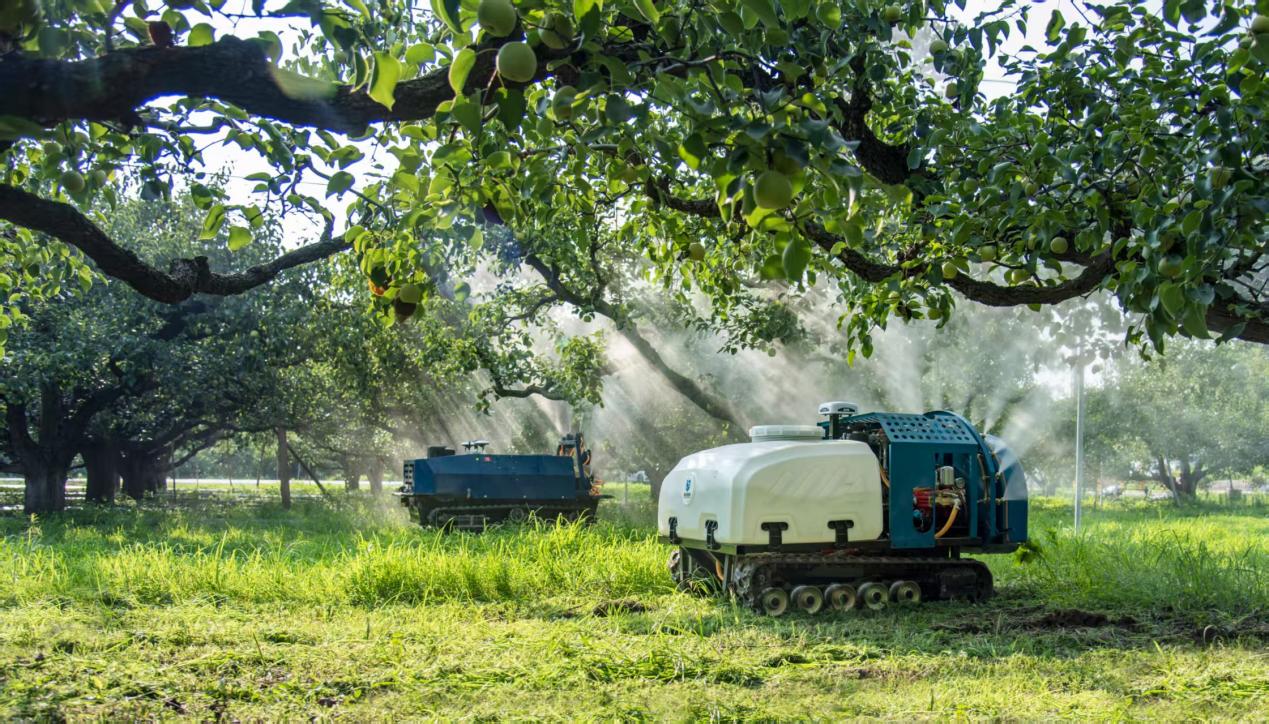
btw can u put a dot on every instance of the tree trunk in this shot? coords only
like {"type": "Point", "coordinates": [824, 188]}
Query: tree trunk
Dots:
{"type": "Point", "coordinates": [101, 466]}
{"type": "Point", "coordinates": [352, 474]}
{"type": "Point", "coordinates": [374, 474]}
{"type": "Point", "coordinates": [45, 488]}
{"type": "Point", "coordinates": [1189, 479]}
{"type": "Point", "coordinates": [143, 474]}
{"type": "Point", "coordinates": [284, 468]}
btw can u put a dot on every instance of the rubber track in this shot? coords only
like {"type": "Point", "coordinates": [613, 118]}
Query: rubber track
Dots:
{"type": "Point", "coordinates": [751, 573]}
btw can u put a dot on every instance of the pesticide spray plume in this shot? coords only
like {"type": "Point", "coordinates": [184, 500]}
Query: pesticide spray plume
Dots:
{"type": "Point", "coordinates": [1000, 368]}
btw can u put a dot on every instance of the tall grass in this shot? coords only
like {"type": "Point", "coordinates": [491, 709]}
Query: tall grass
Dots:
{"type": "Point", "coordinates": [357, 555]}
{"type": "Point", "coordinates": [1196, 563]}
{"type": "Point", "coordinates": [1153, 558]}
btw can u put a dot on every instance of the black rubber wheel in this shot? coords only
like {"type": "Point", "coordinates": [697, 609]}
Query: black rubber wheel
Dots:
{"type": "Point", "coordinates": [874, 595]}
{"type": "Point", "coordinates": [774, 601]}
{"type": "Point", "coordinates": [808, 599]}
{"type": "Point", "coordinates": [841, 596]}
{"type": "Point", "coordinates": [905, 593]}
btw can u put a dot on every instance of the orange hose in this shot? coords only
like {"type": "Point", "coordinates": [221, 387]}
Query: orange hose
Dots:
{"type": "Point", "coordinates": [948, 525]}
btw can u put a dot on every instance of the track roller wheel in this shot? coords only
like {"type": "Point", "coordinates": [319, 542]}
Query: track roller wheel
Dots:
{"type": "Point", "coordinates": [774, 601]}
{"type": "Point", "coordinates": [808, 599]}
{"type": "Point", "coordinates": [874, 595]}
{"type": "Point", "coordinates": [841, 596]}
{"type": "Point", "coordinates": [907, 593]}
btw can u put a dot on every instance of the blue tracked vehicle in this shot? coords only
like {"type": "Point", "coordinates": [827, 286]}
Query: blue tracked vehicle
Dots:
{"type": "Point", "coordinates": [859, 510]}
{"type": "Point", "coordinates": [472, 490]}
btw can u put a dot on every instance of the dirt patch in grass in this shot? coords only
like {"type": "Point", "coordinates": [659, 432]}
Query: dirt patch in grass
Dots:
{"type": "Point", "coordinates": [619, 606]}
{"type": "Point", "coordinates": [1071, 618]}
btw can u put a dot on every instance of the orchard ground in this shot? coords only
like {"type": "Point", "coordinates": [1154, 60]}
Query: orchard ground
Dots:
{"type": "Point", "coordinates": [208, 605]}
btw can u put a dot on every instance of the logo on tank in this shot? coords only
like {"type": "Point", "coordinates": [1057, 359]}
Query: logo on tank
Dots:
{"type": "Point", "coordinates": [688, 487]}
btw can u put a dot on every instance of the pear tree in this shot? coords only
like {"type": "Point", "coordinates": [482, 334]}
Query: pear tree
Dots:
{"type": "Point", "coordinates": [805, 143]}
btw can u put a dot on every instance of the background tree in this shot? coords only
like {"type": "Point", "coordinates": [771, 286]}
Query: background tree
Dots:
{"type": "Point", "coordinates": [135, 386]}
{"type": "Point", "coordinates": [1184, 418]}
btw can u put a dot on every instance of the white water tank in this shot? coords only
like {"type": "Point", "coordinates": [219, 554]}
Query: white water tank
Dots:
{"type": "Point", "coordinates": [803, 483]}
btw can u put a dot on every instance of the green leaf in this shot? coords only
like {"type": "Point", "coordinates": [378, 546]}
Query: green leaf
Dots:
{"type": "Point", "coordinates": [764, 10]}
{"type": "Point", "coordinates": [52, 42]}
{"type": "Point", "coordinates": [387, 73]}
{"type": "Point", "coordinates": [1194, 321]}
{"type": "Point", "coordinates": [1191, 222]}
{"type": "Point", "coordinates": [15, 127]}
{"type": "Point", "coordinates": [853, 233]}
{"type": "Point", "coordinates": [588, 15]}
{"type": "Point", "coordinates": [340, 182]}
{"type": "Point", "coordinates": [466, 113]}
{"type": "Point", "coordinates": [200, 35]}
{"type": "Point", "coordinates": [447, 11]}
{"type": "Point", "coordinates": [359, 6]}
{"type": "Point", "coordinates": [239, 236]}
{"type": "Point", "coordinates": [420, 53]}
{"type": "Point", "coordinates": [1173, 298]}
{"type": "Point", "coordinates": [692, 150]}
{"type": "Point", "coordinates": [1194, 10]}
{"type": "Point", "coordinates": [1054, 29]}
{"type": "Point", "coordinates": [254, 216]}
{"type": "Point", "coordinates": [498, 159]}
{"type": "Point", "coordinates": [460, 69]}
{"type": "Point", "coordinates": [648, 10]}
{"type": "Point", "coordinates": [299, 87]}
{"type": "Point", "coordinates": [511, 107]}
{"type": "Point", "coordinates": [1260, 48]}
{"type": "Point", "coordinates": [772, 268]}
{"type": "Point", "coordinates": [212, 223]}
{"type": "Point", "coordinates": [1172, 12]}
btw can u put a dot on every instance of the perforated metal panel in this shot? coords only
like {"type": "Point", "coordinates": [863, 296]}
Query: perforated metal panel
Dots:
{"type": "Point", "coordinates": [902, 428]}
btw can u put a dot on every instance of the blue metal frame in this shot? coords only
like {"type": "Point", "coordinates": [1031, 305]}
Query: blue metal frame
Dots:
{"type": "Point", "coordinates": [918, 446]}
{"type": "Point", "coordinates": [513, 477]}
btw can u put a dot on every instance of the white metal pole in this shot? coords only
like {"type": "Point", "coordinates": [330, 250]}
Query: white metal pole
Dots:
{"type": "Point", "coordinates": [1079, 432]}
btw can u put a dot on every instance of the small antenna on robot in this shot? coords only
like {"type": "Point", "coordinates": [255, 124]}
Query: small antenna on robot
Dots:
{"type": "Point", "coordinates": [835, 411]}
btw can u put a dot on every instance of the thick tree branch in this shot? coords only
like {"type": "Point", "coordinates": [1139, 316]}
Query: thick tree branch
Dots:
{"type": "Point", "coordinates": [711, 405]}
{"type": "Point", "coordinates": [184, 278]}
{"type": "Point", "coordinates": [1221, 317]}
{"type": "Point", "coordinates": [1097, 270]}
{"type": "Point", "coordinates": [887, 163]}
{"type": "Point", "coordinates": [113, 86]}
{"type": "Point", "coordinates": [528, 391]}
{"type": "Point", "coordinates": [19, 435]}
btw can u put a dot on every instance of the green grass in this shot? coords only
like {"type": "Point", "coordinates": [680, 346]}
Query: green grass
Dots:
{"type": "Point", "coordinates": [205, 607]}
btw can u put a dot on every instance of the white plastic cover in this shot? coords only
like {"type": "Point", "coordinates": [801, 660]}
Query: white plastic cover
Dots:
{"type": "Point", "coordinates": [838, 408]}
{"type": "Point", "coordinates": [803, 484]}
